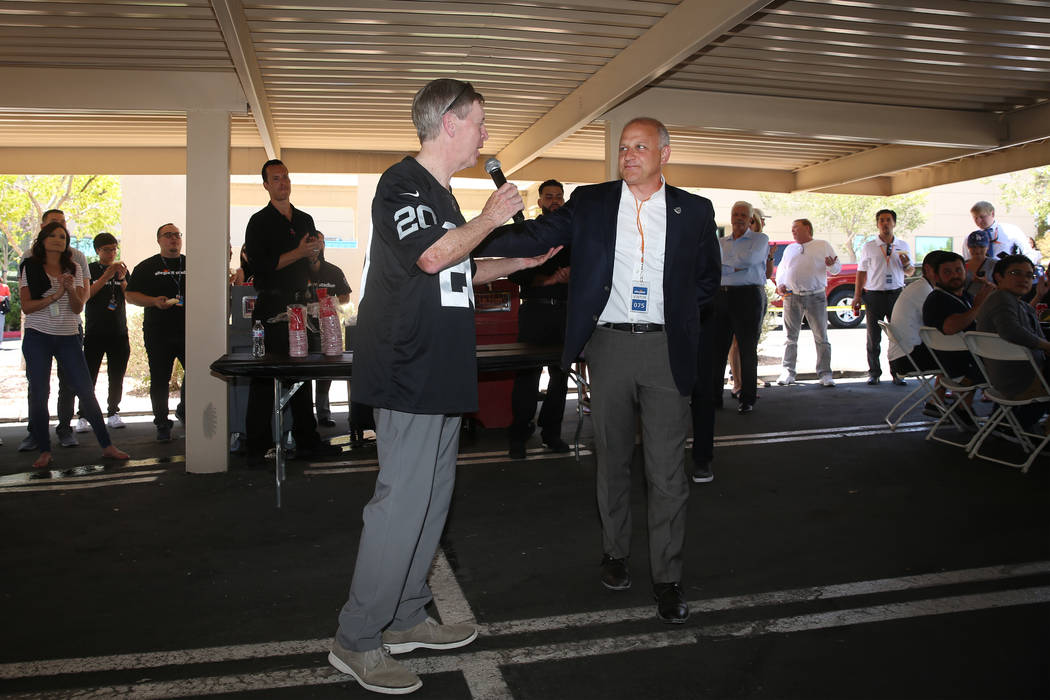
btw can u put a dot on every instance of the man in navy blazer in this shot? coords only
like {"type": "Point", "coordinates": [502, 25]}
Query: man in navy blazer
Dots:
{"type": "Point", "coordinates": [645, 258]}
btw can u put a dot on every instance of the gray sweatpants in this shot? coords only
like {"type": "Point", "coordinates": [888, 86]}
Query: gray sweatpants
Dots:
{"type": "Point", "coordinates": [402, 526]}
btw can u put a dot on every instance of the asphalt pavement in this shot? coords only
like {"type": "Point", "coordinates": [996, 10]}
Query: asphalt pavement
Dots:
{"type": "Point", "coordinates": [830, 558]}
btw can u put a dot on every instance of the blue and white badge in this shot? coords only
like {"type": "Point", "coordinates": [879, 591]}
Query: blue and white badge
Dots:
{"type": "Point", "coordinates": [179, 302]}
{"type": "Point", "coordinates": [639, 297]}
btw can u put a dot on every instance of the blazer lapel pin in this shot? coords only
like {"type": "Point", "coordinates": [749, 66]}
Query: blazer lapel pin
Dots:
{"type": "Point", "coordinates": [678, 210]}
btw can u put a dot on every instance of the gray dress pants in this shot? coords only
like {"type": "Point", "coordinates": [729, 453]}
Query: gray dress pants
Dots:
{"type": "Point", "coordinates": [631, 375]}
{"type": "Point", "coordinates": [402, 526]}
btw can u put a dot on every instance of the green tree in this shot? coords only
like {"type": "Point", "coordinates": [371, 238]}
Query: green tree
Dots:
{"type": "Point", "coordinates": [851, 215]}
{"type": "Point", "coordinates": [1030, 189]}
{"type": "Point", "coordinates": [91, 204]}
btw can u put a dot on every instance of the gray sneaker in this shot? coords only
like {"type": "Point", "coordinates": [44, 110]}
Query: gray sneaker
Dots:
{"type": "Point", "coordinates": [27, 445]}
{"type": "Point", "coordinates": [375, 670]}
{"type": "Point", "coordinates": [429, 634]}
{"type": "Point", "coordinates": [66, 438]}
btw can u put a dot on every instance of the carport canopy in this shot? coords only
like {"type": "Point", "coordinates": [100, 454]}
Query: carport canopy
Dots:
{"type": "Point", "coordinates": [845, 96]}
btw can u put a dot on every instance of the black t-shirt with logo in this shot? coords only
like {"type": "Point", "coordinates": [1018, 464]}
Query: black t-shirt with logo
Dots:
{"type": "Point", "coordinates": [269, 235]}
{"type": "Point", "coordinates": [939, 305]}
{"type": "Point", "coordinates": [105, 313]}
{"type": "Point", "coordinates": [160, 276]}
{"type": "Point", "coordinates": [414, 349]}
{"type": "Point", "coordinates": [331, 278]}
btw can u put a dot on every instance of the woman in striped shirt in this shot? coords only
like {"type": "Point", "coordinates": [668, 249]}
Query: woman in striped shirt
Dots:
{"type": "Point", "coordinates": [52, 299]}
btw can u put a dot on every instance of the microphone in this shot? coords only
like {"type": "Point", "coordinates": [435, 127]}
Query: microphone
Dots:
{"type": "Point", "coordinates": [495, 169]}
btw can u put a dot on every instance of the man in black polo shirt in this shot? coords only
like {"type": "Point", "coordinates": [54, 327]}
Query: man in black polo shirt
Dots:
{"type": "Point", "coordinates": [541, 320]}
{"type": "Point", "coordinates": [284, 251]}
{"type": "Point", "coordinates": [333, 281]}
{"type": "Point", "coordinates": [106, 325]}
{"type": "Point", "coordinates": [159, 284]}
{"type": "Point", "coordinates": [950, 309]}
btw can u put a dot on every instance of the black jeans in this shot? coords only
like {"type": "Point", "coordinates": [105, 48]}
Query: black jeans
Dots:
{"type": "Point", "coordinates": [878, 306]}
{"type": "Point", "coordinates": [162, 353]}
{"type": "Point", "coordinates": [703, 401]}
{"type": "Point", "coordinates": [543, 324]}
{"type": "Point", "coordinates": [259, 416]}
{"type": "Point", "coordinates": [738, 312]}
{"type": "Point", "coordinates": [116, 350]}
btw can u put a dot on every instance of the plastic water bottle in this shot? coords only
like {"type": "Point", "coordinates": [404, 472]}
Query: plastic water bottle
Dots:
{"type": "Point", "coordinates": [258, 339]}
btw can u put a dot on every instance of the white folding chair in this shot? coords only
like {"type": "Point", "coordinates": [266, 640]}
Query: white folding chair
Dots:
{"type": "Point", "coordinates": [989, 346]}
{"type": "Point", "coordinates": [920, 394]}
{"type": "Point", "coordinates": [936, 341]}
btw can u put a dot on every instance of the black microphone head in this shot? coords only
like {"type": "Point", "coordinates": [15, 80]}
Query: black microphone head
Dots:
{"type": "Point", "coordinates": [492, 165]}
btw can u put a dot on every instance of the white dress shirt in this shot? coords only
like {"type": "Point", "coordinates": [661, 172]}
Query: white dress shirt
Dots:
{"type": "Point", "coordinates": [634, 218]}
{"type": "Point", "coordinates": [1005, 236]}
{"type": "Point", "coordinates": [907, 318]}
{"type": "Point", "coordinates": [874, 261]}
{"type": "Point", "coordinates": [803, 269]}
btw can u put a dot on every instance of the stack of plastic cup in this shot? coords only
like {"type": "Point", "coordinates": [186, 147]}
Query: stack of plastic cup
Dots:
{"type": "Point", "coordinates": [297, 345]}
{"type": "Point", "coordinates": [331, 328]}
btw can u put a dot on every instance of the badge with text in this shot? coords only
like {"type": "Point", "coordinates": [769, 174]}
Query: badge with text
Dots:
{"type": "Point", "coordinates": [639, 297]}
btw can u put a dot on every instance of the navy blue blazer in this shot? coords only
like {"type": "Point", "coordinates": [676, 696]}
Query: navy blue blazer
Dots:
{"type": "Point", "coordinates": [587, 222]}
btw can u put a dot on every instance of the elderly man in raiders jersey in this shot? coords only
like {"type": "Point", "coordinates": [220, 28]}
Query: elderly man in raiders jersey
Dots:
{"type": "Point", "coordinates": [414, 362]}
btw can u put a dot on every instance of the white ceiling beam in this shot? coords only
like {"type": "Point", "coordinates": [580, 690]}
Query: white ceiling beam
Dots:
{"type": "Point", "coordinates": [89, 90]}
{"type": "Point", "coordinates": [689, 27]}
{"type": "Point", "coordinates": [238, 38]}
{"type": "Point", "coordinates": [808, 118]}
{"type": "Point", "coordinates": [871, 163]}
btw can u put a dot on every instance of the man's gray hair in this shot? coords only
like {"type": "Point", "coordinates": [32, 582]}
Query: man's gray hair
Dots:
{"type": "Point", "coordinates": [436, 99]}
{"type": "Point", "coordinates": [742, 203]}
{"type": "Point", "coordinates": [982, 207]}
{"type": "Point", "coordinates": [662, 135]}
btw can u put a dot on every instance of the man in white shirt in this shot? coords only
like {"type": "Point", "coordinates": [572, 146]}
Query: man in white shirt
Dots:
{"type": "Point", "coordinates": [1006, 239]}
{"type": "Point", "coordinates": [802, 279]}
{"type": "Point", "coordinates": [884, 263]}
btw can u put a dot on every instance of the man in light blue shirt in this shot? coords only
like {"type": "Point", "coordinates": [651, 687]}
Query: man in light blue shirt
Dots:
{"type": "Point", "coordinates": [740, 301]}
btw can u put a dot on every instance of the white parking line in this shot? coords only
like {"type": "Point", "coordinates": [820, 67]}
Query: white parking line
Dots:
{"type": "Point", "coordinates": [77, 486]}
{"type": "Point", "coordinates": [240, 652]}
{"type": "Point", "coordinates": [471, 663]}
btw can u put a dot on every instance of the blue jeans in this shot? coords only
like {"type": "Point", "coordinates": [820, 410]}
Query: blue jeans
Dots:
{"type": "Point", "coordinates": [38, 349]}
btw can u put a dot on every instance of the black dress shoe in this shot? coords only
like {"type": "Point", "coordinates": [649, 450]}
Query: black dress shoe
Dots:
{"type": "Point", "coordinates": [745, 408]}
{"type": "Point", "coordinates": [555, 444]}
{"type": "Point", "coordinates": [615, 574]}
{"type": "Point", "coordinates": [873, 381]}
{"type": "Point", "coordinates": [670, 604]}
{"type": "Point", "coordinates": [517, 450]}
{"type": "Point", "coordinates": [899, 381]}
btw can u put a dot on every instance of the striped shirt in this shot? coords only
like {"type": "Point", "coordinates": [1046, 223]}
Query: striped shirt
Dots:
{"type": "Point", "coordinates": [58, 318]}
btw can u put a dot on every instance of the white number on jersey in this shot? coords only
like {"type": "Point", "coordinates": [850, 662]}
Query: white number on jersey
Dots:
{"type": "Point", "coordinates": [409, 219]}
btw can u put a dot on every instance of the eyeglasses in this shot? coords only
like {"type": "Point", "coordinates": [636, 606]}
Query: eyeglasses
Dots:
{"type": "Point", "coordinates": [171, 234]}
{"type": "Point", "coordinates": [1022, 274]}
{"type": "Point", "coordinates": [462, 91]}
